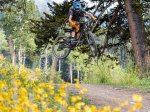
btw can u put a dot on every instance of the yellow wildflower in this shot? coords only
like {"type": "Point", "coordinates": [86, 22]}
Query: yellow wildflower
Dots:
{"type": "Point", "coordinates": [79, 105]}
{"type": "Point", "coordinates": [87, 109]}
{"type": "Point", "coordinates": [23, 90]}
{"type": "Point", "coordinates": [79, 98]}
{"type": "Point", "coordinates": [63, 94]}
{"type": "Point", "coordinates": [48, 110]}
{"type": "Point", "coordinates": [63, 102]}
{"type": "Point", "coordinates": [132, 108]}
{"type": "Point", "coordinates": [45, 95]}
{"type": "Point", "coordinates": [124, 104]}
{"type": "Point", "coordinates": [44, 103]}
{"type": "Point", "coordinates": [2, 85]}
{"type": "Point", "coordinates": [77, 85]}
{"type": "Point", "coordinates": [1, 98]}
{"type": "Point", "coordinates": [52, 92]}
{"type": "Point", "coordinates": [5, 95]}
{"type": "Point", "coordinates": [117, 109]}
{"type": "Point", "coordinates": [57, 98]}
{"type": "Point", "coordinates": [73, 99]}
{"type": "Point", "coordinates": [32, 82]}
{"type": "Point", "coordinates": [37, 70]}
{"type": "Point", "coordinates": [68, 84]}
{"type": "Point", "coordinates": [37, 97]}
{"type": "Point", "coordinates": [107, 109]}
{"type": "Point", "coordinates": [137, 98]}
{"type": "Point", "coordinates": [93, 108]}
{"type": "Point", "coordinates": [27, 103]}
{"type": "Point", "coordinates": [40, 85]}
{"type": "Point", "coordinates": [22, 67]}
{"type": "Point", "coordinates": [39, 90]}
{"type": "Point", "coordinates": [34, 106]}
{"type": "Point", "coordinates": [58, 111]}
{"type": "Point", "coordinates": [83, 91]}
{"type": "Point", "coordinates": [138, 105]}
{"type": "Point", "coordinates": [18, 82]}
{"type": "Point", "coordinates": [71, 109]}
{"type": "Point", "coordinates": [50, 87]}
{"type": "Point", "coordinates": [51, 81]}
{"type": "Point", "coordinates": [100, 110]}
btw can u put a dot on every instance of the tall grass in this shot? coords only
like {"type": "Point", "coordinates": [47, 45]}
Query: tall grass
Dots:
{"type": "Point", "coordinates": [109, 71]}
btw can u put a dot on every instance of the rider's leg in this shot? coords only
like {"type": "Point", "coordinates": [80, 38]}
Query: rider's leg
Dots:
{"type": "Point", "coordinates": [73, 34]}
{"type": "Point", "coordinates": [75, 30]}
{"type": "Point", "coordinates": [78, 35]}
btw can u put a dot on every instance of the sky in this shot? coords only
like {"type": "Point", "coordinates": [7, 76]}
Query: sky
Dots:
{"type": "Point", "coordinates": [60, 1]}
{"type": "Point", "coordinates": [42, 4]}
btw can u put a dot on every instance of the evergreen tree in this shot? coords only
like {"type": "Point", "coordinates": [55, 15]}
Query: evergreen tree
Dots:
{"type": "Point", "coordinates": [46, 30]}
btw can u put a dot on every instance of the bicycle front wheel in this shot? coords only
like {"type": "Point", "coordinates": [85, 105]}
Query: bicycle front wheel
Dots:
{"type": "Point", "coordinates": [61, 47]}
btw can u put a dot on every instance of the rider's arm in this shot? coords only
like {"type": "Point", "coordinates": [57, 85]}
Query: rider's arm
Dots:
{"type": "Point", "coordinates": [70, 18]}
{"type": "Point", "coordinates": [70, 14]}
{"type": "Point", "coordinates": [91, 15]}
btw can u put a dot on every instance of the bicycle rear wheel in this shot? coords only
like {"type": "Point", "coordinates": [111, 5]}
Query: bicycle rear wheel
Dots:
{"type": "Point", "coordinates": [92, 44]}
{"type": "Point", "coordinates": [61, 47]}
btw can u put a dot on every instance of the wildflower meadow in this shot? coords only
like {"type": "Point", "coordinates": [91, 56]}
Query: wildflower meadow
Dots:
{"type": "Point", "coordinates": [23, 91]}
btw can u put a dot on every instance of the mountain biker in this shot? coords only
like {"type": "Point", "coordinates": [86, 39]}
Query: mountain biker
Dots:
{"type": "Point", "coordinates": [75, 13]}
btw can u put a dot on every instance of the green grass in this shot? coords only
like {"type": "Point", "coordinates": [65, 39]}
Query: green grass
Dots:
{"type": "Point", "coordinates": [110, 73]}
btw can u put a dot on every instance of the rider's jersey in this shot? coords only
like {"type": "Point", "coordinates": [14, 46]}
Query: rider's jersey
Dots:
{"type": "Point", "coordinates": [76, 15]}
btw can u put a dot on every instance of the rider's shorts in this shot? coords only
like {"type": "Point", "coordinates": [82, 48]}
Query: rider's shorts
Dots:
{"type": "Point", "coordinates": [75, 27]}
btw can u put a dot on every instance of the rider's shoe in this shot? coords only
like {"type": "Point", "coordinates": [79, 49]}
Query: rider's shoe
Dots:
{"type": "Point", "coordinates": [62, 46]}
{"type": "Point", "coordinates": [74, 40]}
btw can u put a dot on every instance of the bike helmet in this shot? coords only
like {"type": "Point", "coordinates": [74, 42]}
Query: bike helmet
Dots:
{"type": "Point", "coordinates": [74, 0]}
{"type": "Point", "coordinates": [77, 5]}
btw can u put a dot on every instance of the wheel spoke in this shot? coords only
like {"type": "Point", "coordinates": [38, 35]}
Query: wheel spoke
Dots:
{"type": "Point", "coordinates": [61, 48]}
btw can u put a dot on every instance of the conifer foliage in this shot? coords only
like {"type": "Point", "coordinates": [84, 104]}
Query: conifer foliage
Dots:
{"type": "Point", "coordinates": [47, 29]}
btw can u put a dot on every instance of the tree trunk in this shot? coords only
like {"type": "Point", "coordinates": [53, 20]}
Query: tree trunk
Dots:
{"type": "Point", "coordinates": [46, 59]}
{"type": "Point", "coordinates": [123, 56]}
{"type": "Point", "coordinates": [59, 67]}
{"type": "Point", "coordinates": [136, 27]}
{"type": "Point", "coordinates": [20, 58]}
{"type": "Point", "coordinates": [40, 61]}
{"type": "Point", "coordinates": [24, 57]}
{"type": "Point", "coordinates": [71, 74]}
{"type": "Point", "coordinates": [54, 66]}
{"type": "Point", "coordinates": [78, 75]}
{"type": "Point", "coordinates": [14, 56]}
{"type": "Point", "coordinates": [11, 49]}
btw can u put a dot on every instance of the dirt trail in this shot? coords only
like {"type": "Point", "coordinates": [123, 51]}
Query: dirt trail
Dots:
{"type": "Point", "coordinates": [102, 95]}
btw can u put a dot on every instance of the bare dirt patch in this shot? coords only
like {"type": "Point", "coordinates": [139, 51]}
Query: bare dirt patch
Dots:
{"type": "Point", "coordinates": [103, 95]}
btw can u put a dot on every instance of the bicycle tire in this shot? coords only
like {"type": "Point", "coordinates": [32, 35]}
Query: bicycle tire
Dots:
{"type": "Point", "coordinates": [58, 44]}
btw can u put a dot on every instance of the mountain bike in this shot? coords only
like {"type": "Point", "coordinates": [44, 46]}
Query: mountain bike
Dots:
{"type": "Point", "coordinates": [63, 44]}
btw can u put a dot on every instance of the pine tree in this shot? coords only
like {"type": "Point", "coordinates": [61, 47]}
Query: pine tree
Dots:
{"type": "Point", "coordinates": [46, 30]}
